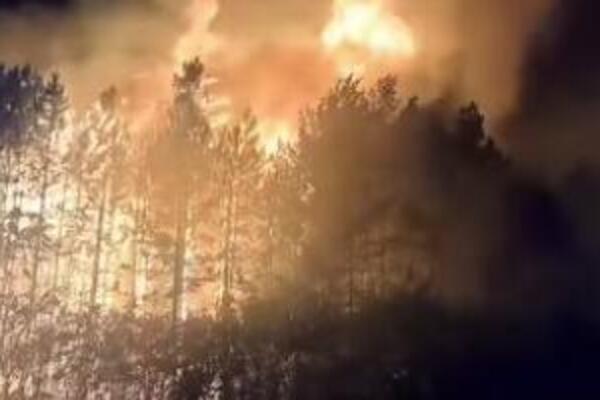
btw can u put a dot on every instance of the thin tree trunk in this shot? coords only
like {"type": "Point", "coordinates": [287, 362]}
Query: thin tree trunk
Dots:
{"type": "Point", "coordinates": [107, 279]}
{"type": "Point", "coordinates": [138, 241]}
{"type": "Point", "coordinates": [179, 258]}
{"type": "Point", "coordinates": [134, 256]}
{"type": "Point", "coordinates": [38, 245]}
{"type": "Point", "coordinates": [3, 213]}
{"type": "Point", "coordinates": [226, 277]}
{"type": "Point", "coordinates": [98, 247]}
{"type": "Point", "coordinates": [351, 286]}
{"type": "Point", "coordinates": [59, 238]}
{"type": "Point", "coordinates": [71, 258]}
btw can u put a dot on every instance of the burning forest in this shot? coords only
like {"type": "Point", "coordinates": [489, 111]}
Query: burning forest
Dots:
{"type": "Point", "coordinates": [287, 199]}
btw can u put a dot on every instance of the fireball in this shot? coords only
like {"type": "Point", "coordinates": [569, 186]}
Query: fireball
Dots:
{"type": "Point", "coordinates": [365, 26]}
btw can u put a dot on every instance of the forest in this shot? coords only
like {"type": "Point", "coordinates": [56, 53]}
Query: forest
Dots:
{"type": "Point", "coordinates": [392, 250]}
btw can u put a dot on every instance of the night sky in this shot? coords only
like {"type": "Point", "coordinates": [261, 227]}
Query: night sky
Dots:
{"type": "Point", "coordinates": [565, 57]}
{"type": "Point", "coordinates": [555, 127]}
{"type": "Point", "coordinates": [15, 4]}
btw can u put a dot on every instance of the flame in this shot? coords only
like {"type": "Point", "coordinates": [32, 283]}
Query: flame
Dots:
{"type": "Point", "coordinates": [364, 25]}
{"type": "Point", "coordinates": [361, 35]}
{"type": "Point", "coordinates": [274, 132]}
{"type": "Point", "coordinates": [198, 40]}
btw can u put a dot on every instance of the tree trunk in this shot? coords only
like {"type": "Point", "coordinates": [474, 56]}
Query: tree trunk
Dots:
{"type": "Point", "coordinates": [38, 245]}
{"type": "Point", "coordinates": [134, 256]}
{"type": "Point", "coordinates": [98, 247]}
{"type": "Point", "coordinates": [59, 238]}
{"type": "Point", "coordinates": [227, 273]}
{"type": "Point", "coordinates": [179, 259]}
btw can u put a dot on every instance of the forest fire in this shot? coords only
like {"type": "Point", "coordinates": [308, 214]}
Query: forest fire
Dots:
{"type": "Point", "coordinates": [298, 199]}
{"type": "Point", "coordinates": [359, 36]}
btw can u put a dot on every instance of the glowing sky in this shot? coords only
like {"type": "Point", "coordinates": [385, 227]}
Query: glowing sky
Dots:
{"type": "Point", "coordinates": [276, 56]}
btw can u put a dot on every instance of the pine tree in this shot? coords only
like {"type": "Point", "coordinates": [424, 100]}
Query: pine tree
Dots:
{"type": "Point", "coordinates": [99, 157]}
{"type": "Point", "coordinates": [178, 164]}
{"type": "Point", "coordinates": [49, 124]}
{"type": "Point", "coordinates": [237, 177]}
{"type": "Point", "coordinates": [20, 91]}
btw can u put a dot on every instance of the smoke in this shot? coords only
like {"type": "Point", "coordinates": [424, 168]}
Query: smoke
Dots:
{"type": "Point", "coordinates": [268, 20]}
{"type": "Point", "coordinates": [532, 66]}
{"type": "Point", "coordinates": [550, 222]}
{"type": "Point", "coordinates": [474, 48]}
{"type": "Point", "coordinates": [94, 44]}
{"type": "Point", "coordinates": [269, 54]}
{"type": "Point", "coordinates": [553, 131]}
{"type": "Point", "coordinates": [270, 57]}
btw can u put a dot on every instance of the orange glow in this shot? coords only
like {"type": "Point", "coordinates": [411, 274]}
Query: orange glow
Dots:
{"type": "Point", "coordinates": [273, 132]}
{"type": "Point", "coordinates": [197, 40]}
{"type": "Point", "coordinates": [360, 37]}
{"type": "Point", "coordinates": [365, 25]}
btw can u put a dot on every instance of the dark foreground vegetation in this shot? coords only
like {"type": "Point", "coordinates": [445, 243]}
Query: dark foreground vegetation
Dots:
{"type": "Point", "coordinates": [393, 251]}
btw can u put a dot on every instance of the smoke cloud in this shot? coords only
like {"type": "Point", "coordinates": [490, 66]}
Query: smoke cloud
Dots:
{"type": "Point", "coordinates": [93, 44]}
{"type": "Point", "coordinates": [553, 131]}
{"type": "Point", "coordinates": [476, 47]}
{"type": "Point", "coordinates": [268, 53]}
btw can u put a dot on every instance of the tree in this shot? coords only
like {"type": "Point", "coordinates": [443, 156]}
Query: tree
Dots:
{"type": "Point", "coordinates": [46, 137]}
{"type": "Point", "coordinates": [178, 166]}
{"type": "Point", "coordinates": [338, 151]}
{"type": "Point", "coordinates": [20, 91]}
{"type": "Point", "coordinates": [99, 155]}
{"type": "Point", "coordinates": [237, 176]}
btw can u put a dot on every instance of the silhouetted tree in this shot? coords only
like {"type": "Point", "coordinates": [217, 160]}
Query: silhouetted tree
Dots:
{"type": "Point", "coordinates": [178, 164]}
{"type": "Point", "coordinates": [48, 126]}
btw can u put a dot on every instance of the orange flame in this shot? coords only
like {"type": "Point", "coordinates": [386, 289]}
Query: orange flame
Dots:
{"type": "Point", "coordinates": [365, 26]}
{"type": "Point", "coordinates": [361, 35]}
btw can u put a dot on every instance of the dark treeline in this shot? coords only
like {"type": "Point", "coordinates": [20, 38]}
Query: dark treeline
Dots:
{"type": "Point", "coordinates": [392, 251]}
